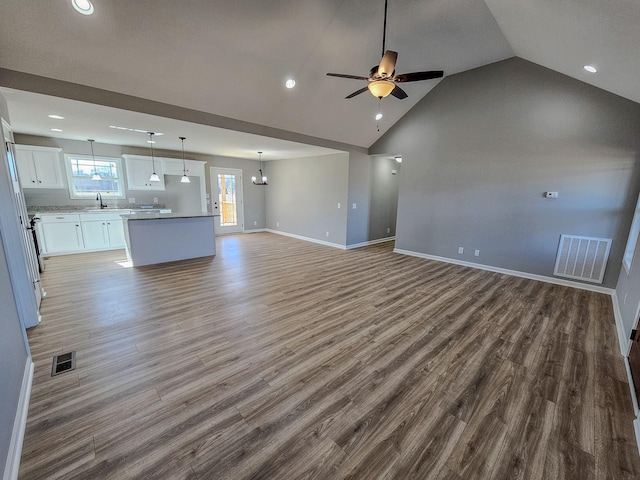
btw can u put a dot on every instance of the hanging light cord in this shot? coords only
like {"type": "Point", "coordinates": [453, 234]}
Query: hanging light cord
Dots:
{"type": "Point", "coordinates": [184, 166]}
{"type": "Point", "coordinates": [153, 162]}
{"type": "Point", "coordinates": [95, 168]}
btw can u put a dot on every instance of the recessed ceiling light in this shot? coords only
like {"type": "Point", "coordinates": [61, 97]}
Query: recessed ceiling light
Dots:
{"type": "Point", "coordinates": [57, 117]}
{"type": "Point", "coordinates": [378, 116]}
{"type": "Point", "coordinates": [290, 83]}
{"type": "Point", "coordinates": [85, 7]}
{"type": "Point", "coordinates": [590, 68]}
{"type": "Point", "coordinates": [56, 130]}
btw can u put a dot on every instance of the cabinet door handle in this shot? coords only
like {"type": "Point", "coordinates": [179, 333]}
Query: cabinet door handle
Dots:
{"type": "Point", "coordinates": [33, 181]}
{"type": "Point", "coordinates": [77, 225]}
{"type": "Point", "coordinates": [39, 181]}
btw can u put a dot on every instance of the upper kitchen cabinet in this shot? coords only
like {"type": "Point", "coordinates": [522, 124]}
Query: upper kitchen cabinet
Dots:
{"type": "Point", "coordinates": [39, 167]}
{"type": "Point", "coordinates": [139, 169]}
{"type": "Point", "coordinates": [173, 166]}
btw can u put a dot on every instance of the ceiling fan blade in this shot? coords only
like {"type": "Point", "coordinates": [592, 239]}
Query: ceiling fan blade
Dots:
{"type": "Point", "coordinates": [341, 75]}
{"type": "Point", "coordinates": [357, 92]}
{"type": "Point", "coordinates": [417, 76]}
{"type": "Point", "coordinates": [387, 64]}
{"type": "Point", "coordinates": [399, 93]}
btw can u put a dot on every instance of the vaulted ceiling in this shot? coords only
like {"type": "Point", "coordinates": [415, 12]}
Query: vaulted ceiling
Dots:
{"type": "Point", "coordinates": [231, 57]}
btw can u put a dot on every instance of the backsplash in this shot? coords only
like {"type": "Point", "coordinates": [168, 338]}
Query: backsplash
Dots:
{"type": "Point", "coordinates": [31, 209]}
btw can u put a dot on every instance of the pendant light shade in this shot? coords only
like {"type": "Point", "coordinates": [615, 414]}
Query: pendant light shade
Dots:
{"type": "Point", "coordinates": [263, 177]}
{"type": "Point", "coordinates": [95, 176]}
{"type": "Point", "coordinates": [154, 176]}
{"type": "Point", "coordinates": [185, 178]}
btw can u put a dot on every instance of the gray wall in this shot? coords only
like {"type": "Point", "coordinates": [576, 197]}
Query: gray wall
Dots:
{"type": "Point", "coordinates": [15, 351]}
{"type": "Point", "coordinates": [628, 293]}
{"type": "Point", "coordinates": [384, 197]}
{"type": "Point", "coordinates": [303, 196]}
{"type": "Point", "coordinates": [359, 193]}
{"type": "Point", "coordinates": [481, 149]}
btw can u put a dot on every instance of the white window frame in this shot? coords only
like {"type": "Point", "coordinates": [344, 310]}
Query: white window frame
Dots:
{"type": "Point", "coordinates": [632, 241]}
{"type": "Point", "coordinates": [91, 195]}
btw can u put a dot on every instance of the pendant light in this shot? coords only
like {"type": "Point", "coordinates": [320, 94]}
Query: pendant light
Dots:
{"type": "Point", "coordinates": [185, 178]}
{"type": "Point", "coordinates": [154, 176]}
{"type": "Point", "coordinates": [95, 167]}
{"type": "Point", "coordinates": [263, 178]}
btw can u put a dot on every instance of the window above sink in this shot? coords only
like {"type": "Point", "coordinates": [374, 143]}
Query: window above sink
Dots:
{"type": "Point", "coordinates": [81, 168]}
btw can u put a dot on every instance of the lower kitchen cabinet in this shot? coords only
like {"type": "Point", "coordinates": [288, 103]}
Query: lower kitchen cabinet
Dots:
{"type": "Point", "coordinates": [62, 236]}
{"type": "Point", "coordinates": [69, 233]}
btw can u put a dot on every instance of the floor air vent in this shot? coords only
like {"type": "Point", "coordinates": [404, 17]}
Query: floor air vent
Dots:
{"type": "Point", "coordinates": [582, 258]}
{"type": "Point", "coordinates": [63, 363]}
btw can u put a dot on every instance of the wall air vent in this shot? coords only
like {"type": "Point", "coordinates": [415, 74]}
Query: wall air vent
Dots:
{"type": "Point", "coordinates": [582, 258]}
{"type": "Point", "coordinates": [63, 363]}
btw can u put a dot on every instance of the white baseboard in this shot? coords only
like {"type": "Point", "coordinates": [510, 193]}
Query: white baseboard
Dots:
{"type": "Point", "coordinates": [19, 424]}
{"type": "Point", "coordinates": [634, 400]}
{"type": "Point", "coordinates": [623, 338]}
{"type": "Point", "coordinates": [636, 427]}
{"type": "Point", "coordinates": [307, 239]}
{"type": "Point", "coordinates": [370, 242]}
{"type": "Point", "coordinates": [255, 230]}
{"type": "Point", "coordinates": [506, 271]}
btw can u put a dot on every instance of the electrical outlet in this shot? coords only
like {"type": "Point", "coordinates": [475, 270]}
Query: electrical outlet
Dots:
{"type": "Point", "coordinates": [255, 222]}
{"type": "Point", "coordinates": [327, 234]}
{"type": "Point", "coordinates": [338, 204]}
{"type": "Point", "coordinates": [388, 230]}
{"type": "Point", "coordinates": [476, 253]}
{"type": "Point", "coordinates": [155, 199]}
{"type": "Point", "coordinates": [354, 206]}
{"type": "Point", "coordinates": [277, 224]}
{"type": "Point", "coordinates": [460, 250]}
{"type": "Point", "coordinates": [132, 200]}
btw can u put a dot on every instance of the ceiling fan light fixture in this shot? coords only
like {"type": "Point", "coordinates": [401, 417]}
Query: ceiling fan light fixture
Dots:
{"type": "Point", "coordinates": [381, 88]}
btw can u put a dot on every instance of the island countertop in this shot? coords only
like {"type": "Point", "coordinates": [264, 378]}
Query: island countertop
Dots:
{"type": "Point", "coordinates": [157, 215]}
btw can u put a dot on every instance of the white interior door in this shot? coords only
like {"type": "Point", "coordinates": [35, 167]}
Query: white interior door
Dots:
{"type": "Point", "coordinates": [21, 211]}
{"type": "Point", "coordinates": [226, 201]}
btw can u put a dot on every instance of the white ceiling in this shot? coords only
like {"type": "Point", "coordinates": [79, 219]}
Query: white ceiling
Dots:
{"type": "Point", "coordinates": [231, 57]}
{"type": "Point", "coordinates": [30, 115]}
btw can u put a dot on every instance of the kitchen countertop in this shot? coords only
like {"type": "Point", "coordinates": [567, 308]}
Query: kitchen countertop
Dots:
{"type": "Point", "coordinates": [156, 215]}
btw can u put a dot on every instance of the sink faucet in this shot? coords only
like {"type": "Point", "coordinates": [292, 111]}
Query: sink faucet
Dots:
{"type": "Point", "coordinates": [99, 197]}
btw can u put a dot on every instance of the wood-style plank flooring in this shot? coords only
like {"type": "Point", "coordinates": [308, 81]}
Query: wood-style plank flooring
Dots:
{"type": "Point", "coordinates": [283, 359]}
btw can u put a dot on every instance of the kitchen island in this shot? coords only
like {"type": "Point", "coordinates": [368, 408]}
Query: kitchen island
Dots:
{"type": "Point", "coordinates": [166, 237]}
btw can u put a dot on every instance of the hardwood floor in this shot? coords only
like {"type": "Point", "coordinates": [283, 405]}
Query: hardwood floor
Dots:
{"type": "Point", "coordinates": [282, 359]}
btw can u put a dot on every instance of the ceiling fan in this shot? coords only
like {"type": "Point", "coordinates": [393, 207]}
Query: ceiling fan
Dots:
{"type": "Point", "coordinates": [382, 78]}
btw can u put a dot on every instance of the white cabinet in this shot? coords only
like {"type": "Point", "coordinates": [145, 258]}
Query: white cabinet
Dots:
{"type": "Point", "coordinates": [103, 234]}
{"type": "Point", "coordinates": [172, 167]}
{"type": "Point", "coordinates": [39, 167]}
{"type": "Point", "coordinates": [115, 229]}
{"type": "Point", "coordinates": [139, 169]}
{"type": "Point", "coordinates": [94, 234]}
{"type": "Point", "coordinates": [84, 232]}
{"type": "Point", "coordinates": [62, 233]}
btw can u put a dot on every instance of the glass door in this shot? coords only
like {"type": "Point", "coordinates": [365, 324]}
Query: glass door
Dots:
{"type": "Point", "coordinates": [226, 185]}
